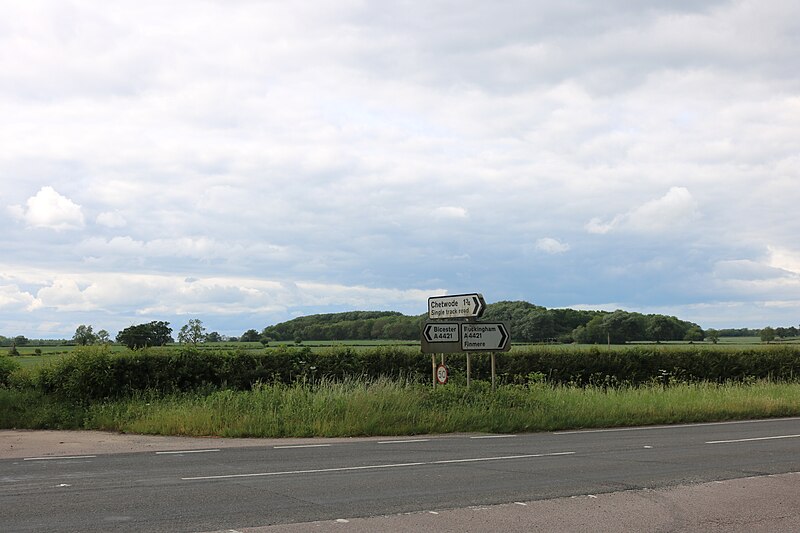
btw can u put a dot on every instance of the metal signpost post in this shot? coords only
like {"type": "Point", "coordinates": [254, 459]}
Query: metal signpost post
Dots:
{"type": "Point", "coordinates": [453, 328]}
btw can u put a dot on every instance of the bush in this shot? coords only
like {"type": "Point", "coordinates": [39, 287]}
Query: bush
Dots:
{"type": "Point", "coordinates": [7, 367]}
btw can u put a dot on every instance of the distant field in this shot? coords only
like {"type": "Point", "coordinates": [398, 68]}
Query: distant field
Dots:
{"type": "Point", "coordinates": [29, 358]}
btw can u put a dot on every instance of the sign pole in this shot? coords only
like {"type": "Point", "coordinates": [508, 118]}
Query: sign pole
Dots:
{"type": "Point", "coordinates": [469, 369]}
{"type": "Point", "coordinates": [433, 367]}
{"type": "Point", "coordinates": [493, 372]}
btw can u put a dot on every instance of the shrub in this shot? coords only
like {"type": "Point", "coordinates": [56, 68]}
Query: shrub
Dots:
{"type": "Point", "coordinates": [7, 367]}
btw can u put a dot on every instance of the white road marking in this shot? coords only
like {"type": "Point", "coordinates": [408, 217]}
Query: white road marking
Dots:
{"type": "Point", "coordinates": [290, 446]}
{"type": "Point", "coordinates": [502, 458]}
{"type": "Point", "coordinates": [342, 521]}
{"type": "Point", "coordinates": [752, 439]}
{"type": "Point", "coordinates": [674, 426]}
{"type": "Point", "coordinates": [401, 441]}
{"type": "Point", "coordinates": [432, 512]}
{"type": "Point", "coordinates": [52, 458]}
{"type": "Point", "coordinates": [493, 437]}
{"type": "Point", "coordinates": [373, 467]}
{"type": "Point", "coordinates": [186, 451]}
{"type": "Point", "coordinates": [648, 447]}
{"type": "Point", "coordinates": [520, 503]}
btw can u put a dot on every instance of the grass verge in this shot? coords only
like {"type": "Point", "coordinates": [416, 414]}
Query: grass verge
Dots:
{"type": "Point", "coordinates": [385, 407]}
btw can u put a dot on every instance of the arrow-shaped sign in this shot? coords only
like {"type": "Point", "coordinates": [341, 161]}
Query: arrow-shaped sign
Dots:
{"type": "Point", "coordinates": [442, 332]}
{"type": "Point", "coordinates": [485, 336]}
{"type": "Point", "coordinates": [456, 306]}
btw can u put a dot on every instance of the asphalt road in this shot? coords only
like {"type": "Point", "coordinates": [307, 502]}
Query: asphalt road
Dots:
{"type": "Point", "coordinates": [235, 488]}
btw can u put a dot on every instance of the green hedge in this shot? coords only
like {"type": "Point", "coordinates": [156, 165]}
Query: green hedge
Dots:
{"type": "Point", "coordinates": [94, 373]}
{"type": "Point", "coordinates": [7, 367]}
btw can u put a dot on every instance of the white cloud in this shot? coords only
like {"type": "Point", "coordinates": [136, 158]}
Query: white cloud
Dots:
{"type": "Point", "coordinates": [49, 209]}
{"type": "Point", "coordinates": [551, 246]}
{"type": "Point", "coordinates": [452, 212]}
{"type": "Point", "coordinates": [784, 258]}
{"type": "Point", "coordinates": [11, 297]}
{"type": "Point", "coordinates": [146, 294]}
{"type": "Point", "coordinates": [111, 219]}
{"type": "Point", "coordinates": [675, 210]}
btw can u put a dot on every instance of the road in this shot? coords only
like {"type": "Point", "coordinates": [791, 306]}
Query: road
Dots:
{"type": "Point", "coordinates": [234, 488]}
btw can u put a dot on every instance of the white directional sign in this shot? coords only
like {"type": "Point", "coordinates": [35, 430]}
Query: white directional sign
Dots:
{"type": "Point", "coordinates": [459, 337]}
{"type": "Point", "coordinates": [442, 332]}
{"type": "Point", "coordinates": [485, 336]}
{"type": "Point", "coordinates": [456, 306]}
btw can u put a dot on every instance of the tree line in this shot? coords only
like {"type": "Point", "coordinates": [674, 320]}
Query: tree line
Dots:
{"type": "Point", "coordinates": [528, 322]}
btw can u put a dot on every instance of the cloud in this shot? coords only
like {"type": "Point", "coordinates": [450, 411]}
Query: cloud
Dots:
{"type": "Point", "coordinates": [450, 212]}
{"type": "Point", "coordinates": [146, 294]}
{"type": "Point", "coordinates": [111, 219]}
{"type": "Point", "coordinates": [676, 209]}
{"type": "Point", "coordinates": [11, 297]}
{"type": "Point", "coordinates": [49, 209]}
{"type": "Point", "coordinates": [784, 258]}
{"type": "Point", "coordinates": [551, 246]}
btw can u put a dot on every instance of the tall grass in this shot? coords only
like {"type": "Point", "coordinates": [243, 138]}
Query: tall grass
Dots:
{"type": "Point", "coordinates": [359, 407]}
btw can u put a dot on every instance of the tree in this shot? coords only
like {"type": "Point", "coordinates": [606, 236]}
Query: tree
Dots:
{"type": "Point", "coordinates": [250, 335]}
{"type": "Point", "coordinates": [767, 334]}
{"type": "Point", "coordinates": [712, 335]}
{"type": "Point", "coordinates": [156, 333]}
{"type": "Point", "coordinates": [213, 337]}
{"type": "Point", "coordinates": [103, 337]}
{"type": "Point", "coordinates": [83, 335]}
{"type": "Point", "coordinates": [20, 340]}
{"type": "Point", "coordinates": [695, 333]}
{"type": "Point", "coordinates": [192, 333]}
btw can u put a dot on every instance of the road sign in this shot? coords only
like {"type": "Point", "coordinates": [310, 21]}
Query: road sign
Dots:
{"type": "Point", "coordinates": [456, 306]}
{"type": "Point", "coordinates": [441, 374]}
{"type": "Point", "coordinates": [459, 337]}
{"type": "Point", "coordinates": [441, 337]}
{"type": "Point", "coordinates": [438, 332]}
{"type": "Point", "coordinates": [485, 336]}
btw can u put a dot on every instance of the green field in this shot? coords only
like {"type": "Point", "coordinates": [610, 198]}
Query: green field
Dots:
{"type": "Point", "coordinates": [28, 358]}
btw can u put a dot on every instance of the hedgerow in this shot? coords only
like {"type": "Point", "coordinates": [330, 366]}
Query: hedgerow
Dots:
{"type": "Point", "coordinates": [95, 373]}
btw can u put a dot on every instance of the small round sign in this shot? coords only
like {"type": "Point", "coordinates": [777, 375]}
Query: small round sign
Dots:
{"type": "Point", "coordinates": [441, 374]}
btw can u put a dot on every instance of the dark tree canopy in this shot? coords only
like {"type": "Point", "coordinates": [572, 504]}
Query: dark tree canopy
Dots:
{"type": "Point", "coordinates": [156, 333]}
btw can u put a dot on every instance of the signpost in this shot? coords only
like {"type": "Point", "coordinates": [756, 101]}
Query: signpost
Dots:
{"type": "Point", "coordinates": [456, 306]}
{"type": "Point", "coordinates": [453, 328]}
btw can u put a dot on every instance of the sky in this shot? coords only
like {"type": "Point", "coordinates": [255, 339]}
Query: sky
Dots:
{"type": "Point", "coordinates": [247, 162]}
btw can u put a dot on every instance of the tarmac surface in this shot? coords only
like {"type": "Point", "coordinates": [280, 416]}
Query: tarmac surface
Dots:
{"type": "Point", "coordinates": [757, 503]}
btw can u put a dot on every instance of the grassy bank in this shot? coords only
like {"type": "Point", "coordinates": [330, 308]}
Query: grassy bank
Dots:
{"type": "Point", "coordinates": [390, 407]}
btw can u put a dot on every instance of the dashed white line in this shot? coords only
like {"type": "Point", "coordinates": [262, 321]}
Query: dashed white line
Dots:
{"type": "Point", "coordinates": [493, 437]}
{"type": "Point", "coordinates": [55, 457]}
{"type": "Point", "coordinates": [502, 458]}
{"type": "Point", "coordinates": [402, 441]}
{"type": "Point", "coordinates": [291, 446]}
{"type": "Point", "coordinates": [752, 439]}
{"type": "Point", "coordinates": [374, 467]}
{"type": "Point", "coordinates": [186, 451]}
